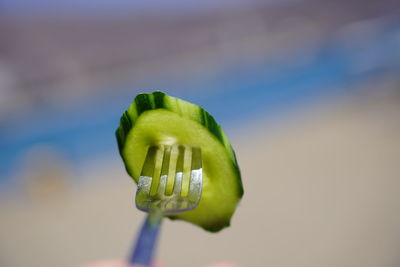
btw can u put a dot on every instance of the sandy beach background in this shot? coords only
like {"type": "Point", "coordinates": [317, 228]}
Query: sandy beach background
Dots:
{"type": "Point", "coordinates": [321, 189]}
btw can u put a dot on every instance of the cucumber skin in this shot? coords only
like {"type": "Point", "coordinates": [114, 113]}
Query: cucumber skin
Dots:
{"type": "Point", "coordinates": [159, 100]}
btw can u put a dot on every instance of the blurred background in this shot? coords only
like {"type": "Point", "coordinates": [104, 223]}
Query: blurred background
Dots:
{"type": "Point", "coordinates": [307, 90]}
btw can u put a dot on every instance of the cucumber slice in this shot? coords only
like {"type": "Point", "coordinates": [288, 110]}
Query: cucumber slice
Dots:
{"type": "Point", "coordinates": [157, 118]}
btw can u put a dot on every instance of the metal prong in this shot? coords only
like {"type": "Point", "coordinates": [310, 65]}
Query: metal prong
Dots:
{"type": "Point", "coordinates": [179, 171]}
{"type": "Point", "coordinates": [196, 177]}
{"type": "Point", "coordinates": [187, 167]}
{"type": "Point", "coordinates": [159, 159]}
{"type": "Point", "coordinates": [146, 175]}
{"type": "Point", "coordinates": [172, 170]}
{"type": "Point", "coordinates": [164, 171]}
{"type": "Point", "coordinates": [145, 179]}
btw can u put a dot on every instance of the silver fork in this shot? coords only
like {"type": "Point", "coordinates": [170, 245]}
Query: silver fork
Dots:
{"type": "Point", "coordinates": [170, 183]}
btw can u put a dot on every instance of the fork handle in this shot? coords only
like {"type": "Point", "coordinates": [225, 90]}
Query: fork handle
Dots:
{"type": "Point", "coordinates": [145, 243]}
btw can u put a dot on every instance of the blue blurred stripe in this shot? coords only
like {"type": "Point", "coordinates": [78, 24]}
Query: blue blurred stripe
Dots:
{"type": "Point", "coordinates": [241, 92]}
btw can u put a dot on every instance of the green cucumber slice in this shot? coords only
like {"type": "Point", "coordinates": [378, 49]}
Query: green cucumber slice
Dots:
{"type": "Point", "coordinates": [157, 118]}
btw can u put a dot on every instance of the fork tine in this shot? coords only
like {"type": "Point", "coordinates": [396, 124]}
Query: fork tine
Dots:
{"type": "Point", "coordinates": [196, 158]}
{"type": "Point", "coordinates": [146, 175]}
{"type": "Point", "coordinates": [159, 159]}
{"type": "Point", "coordinates": [164, 170]}
{"type": "Point", "coordinates": [179, 171]}
{"type": "Point", "coordinates": [172, 170]}
{"type": "Point", "coordinates": [145, 179]}
{"type": "Point", "coordinates": [196, 177]}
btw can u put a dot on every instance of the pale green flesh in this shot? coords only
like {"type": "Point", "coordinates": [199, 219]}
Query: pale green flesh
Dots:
{"type": "Point", "coordinates": [222, 187]}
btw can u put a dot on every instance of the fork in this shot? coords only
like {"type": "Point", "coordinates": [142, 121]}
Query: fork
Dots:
{"type": "Point", "coordinates": [170, 182]}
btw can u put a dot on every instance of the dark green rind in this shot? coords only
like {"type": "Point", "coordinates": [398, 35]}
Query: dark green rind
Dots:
{"type": "Point", "coordinates": [156, 100]}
